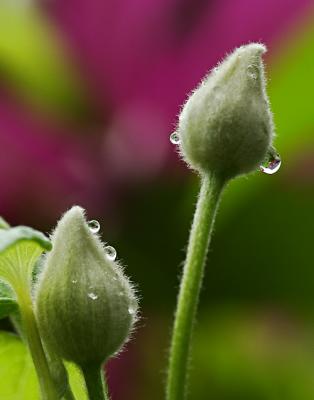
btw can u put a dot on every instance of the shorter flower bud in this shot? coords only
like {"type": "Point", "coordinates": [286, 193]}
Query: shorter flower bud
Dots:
{"type": "Point", "coordinates": [225, 127]}
{"type": "Point", "coordinates": [85, 305]}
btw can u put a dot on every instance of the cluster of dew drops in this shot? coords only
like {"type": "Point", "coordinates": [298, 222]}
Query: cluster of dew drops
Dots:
{"type": "Point", "coordinates": [270, 165]}
{"type": "Point", "coordinates": [94, 227]}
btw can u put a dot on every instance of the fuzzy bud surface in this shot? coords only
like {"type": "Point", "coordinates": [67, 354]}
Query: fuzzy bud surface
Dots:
{"type": "Point", "coordinates": [85, 305]}
{"type": "Point", "coordinates": [226, 125]}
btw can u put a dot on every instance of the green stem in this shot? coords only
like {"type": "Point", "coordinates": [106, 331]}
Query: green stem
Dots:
{"type": "Point", "coordinates": [68, 395]}
{"type": "Point", "coordinates": [191, 283]}
{"type": "Point", "coordinates": [47, 387]}
{"type": "Point", "coordinates": [95, 382]}
{"type": "Point", "coordinates": [59, 373]}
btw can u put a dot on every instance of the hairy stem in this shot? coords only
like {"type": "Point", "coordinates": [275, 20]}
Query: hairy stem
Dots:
{"type": "Point", "coordinates": [191, 283]}
{"type": "Point", "coordinates": [47, 386]}
{"type": "Point", "coordinates": [95, 382]}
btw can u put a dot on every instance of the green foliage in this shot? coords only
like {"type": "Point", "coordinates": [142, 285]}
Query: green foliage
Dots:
{"type": "Point", "coordinates": [20, 248]}
{"type": "Point", "coordinates": [13, 236]}
{"type": "Point", "coordinates": [18, 377]}
{"type": "Point", "coordinates": [3, 224]}
{"type": "Point", "coordinates": [8, 305]}
{"type": "Point", "coordinates": [76, 382]}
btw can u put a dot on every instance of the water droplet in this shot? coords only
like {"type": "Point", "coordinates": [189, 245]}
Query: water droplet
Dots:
{"type": "Point", "coordinates": [131, 310]}
{"type": "Point", "coordinates": [132, 307]}
{"type": "Point", "coordinates": [94, 226]}
{"type": "Point", "coordinates": [175, 138]}
{"type": "Point", "coordinates": [272, 162]}
{"type": "Point", "coordinates": [92, 296]}
{"type": "Point", "coordinates": [74, 280]}
{"type": "Point", "coordinates": [251, 72]}
{"type": "Point", "coordinates": [111, 253]}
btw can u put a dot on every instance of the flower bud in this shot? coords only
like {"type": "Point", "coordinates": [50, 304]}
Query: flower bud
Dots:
{"type": "Point", "coordinates": [85, 305]}
{"type": "Point", "coordinates": [226, 126]}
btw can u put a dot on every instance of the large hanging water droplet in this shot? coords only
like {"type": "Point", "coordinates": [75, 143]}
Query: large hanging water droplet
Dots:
{"type": "Point", "coordinates": [175, 138]}
{"type": "Point", "coordinates": [111, 253]}
{"type": "Point", "coordinates": [92, 296]}
{"type": "Point", "coordinates": [94, 226]}
{"type": "Point", "coordinates": [272, 162]}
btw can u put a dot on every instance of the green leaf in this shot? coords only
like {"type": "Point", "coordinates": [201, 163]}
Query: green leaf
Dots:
{"type": "Point", "coordinates": [8, 304]}
{"type": "Point", "coordinates": [77, 382]}
{"type": "Point", "coordinates": [6, 291]}
{"type": "Point", "coordinates": [20, 247]}
{"type": "Point", "coordinates": [17, 374]}
{"type": "Point", "coordinates": [11, 237]}
{"type": "Point", "coordinates": [3, 224]}
{"type": "Point", "coordinates": [7, 307]}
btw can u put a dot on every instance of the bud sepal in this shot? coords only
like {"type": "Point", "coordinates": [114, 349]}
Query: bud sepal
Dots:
{"type": "Point", "coordinates": [86, 307]}
{"type": "Point", "coordinates": [226, 125]}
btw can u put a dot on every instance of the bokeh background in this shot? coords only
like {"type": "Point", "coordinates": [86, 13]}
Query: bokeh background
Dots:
{"type": "Point", "coordinates": [89, 93]}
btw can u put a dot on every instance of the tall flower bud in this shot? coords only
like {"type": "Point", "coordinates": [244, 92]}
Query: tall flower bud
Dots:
{"type": "Point", "coordinates": [85, 305]}
{"type": "Point", "coordinates": [225, 127]}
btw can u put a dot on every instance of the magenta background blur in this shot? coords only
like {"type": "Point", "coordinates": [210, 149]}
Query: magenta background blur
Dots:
{"type": "Point", "coordinates": [89, 94]}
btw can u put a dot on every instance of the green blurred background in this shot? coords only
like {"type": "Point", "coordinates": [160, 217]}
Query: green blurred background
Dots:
{"type": "Point", "coordinates": [89, 93]}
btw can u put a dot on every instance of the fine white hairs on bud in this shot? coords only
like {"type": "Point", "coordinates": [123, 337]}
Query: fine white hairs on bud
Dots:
{"type": "Point", "coordinates": [86, 307]}
{"type": "Point", "coordinates": [226, 126]}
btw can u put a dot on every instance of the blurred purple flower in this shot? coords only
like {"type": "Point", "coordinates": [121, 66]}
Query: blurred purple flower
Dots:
{"type": "Point", "coordinates": [139, 59]}
{"type": "Point", "coordinates": [145, 56]}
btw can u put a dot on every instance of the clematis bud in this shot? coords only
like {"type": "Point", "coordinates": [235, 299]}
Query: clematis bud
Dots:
{"type": "Point", "coordinates": [226, 128]}
{"type": "Point", "coordinates": [85, 305]}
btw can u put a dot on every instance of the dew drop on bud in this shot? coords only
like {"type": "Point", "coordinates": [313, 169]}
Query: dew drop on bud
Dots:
{"type": "Point", "coordinates": [111, 253]}
{"type": "Point", "coordinates": [92, 296]}
{"type": "Point", "coordinates": [131, 310]}
{"type": "Point", "coordinates": [272, 163]}
{"type": "Point", "coordinates": [132, 307]}
{"type": "Point", "coordinates": [174, 138]}
{"type": "Point", "coordinates": [251, 72]}
{"type": "Point", "coordinates": [94, 226]}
